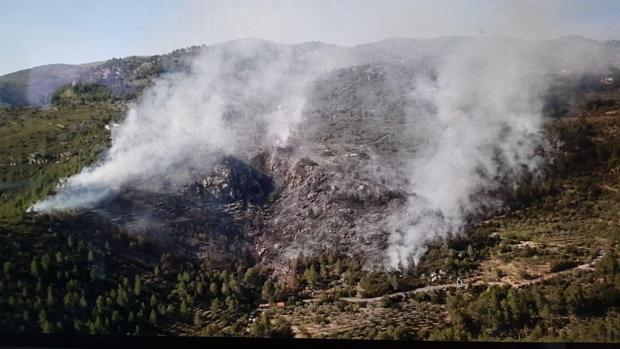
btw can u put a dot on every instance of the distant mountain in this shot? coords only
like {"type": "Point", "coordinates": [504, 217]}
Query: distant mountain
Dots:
{"type": "Point", "coordinates": [127, 77]}
{"type": "Point", "coordinates": [35, 86]}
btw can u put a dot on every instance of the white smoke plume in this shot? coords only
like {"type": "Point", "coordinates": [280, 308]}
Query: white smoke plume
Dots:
{"type": "Point", "coordinates": [476, 122]}
{"type": "Point", "coordinates": [237, 97]}
{"type": "Point", "coordinates": [478, 126]}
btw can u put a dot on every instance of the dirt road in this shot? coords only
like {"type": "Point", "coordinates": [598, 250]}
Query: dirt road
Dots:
{"type": "Point", "coordinates": [477, 281]}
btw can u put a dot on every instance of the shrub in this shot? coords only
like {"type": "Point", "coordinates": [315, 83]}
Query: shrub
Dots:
{"type": "Point", "coordinates": [375, 284]}
{"type": "Point", "coordinates": [562, 264]}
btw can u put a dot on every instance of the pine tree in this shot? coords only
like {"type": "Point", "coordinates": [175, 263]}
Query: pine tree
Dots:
{"type": "Point", "coordinates": [83, 302]}
{"type": "Point", "coordinates": [225, 289]}
{"type": "Point", "coordinates": [68, 300]}
{"type": "Point", "coordinates": [338, 267]}
{"type": "Point", "coordinates": [137, 286]}
{"type": "Point", "coordinates": [34, 267]}
{"type": "Point", "coordinates": [99, 325]}
{"type": "Point", "coordinates": [153, 317]}
{"type": "Point", "coordinates": [231, 304]}
{"type": "Point", "coordinates": [200, 288]}
{"type": "Point", "coordinates": [323, 271]}
{"type": "Point", "coordinates": [608, 265]}
{"type": "Point", "coordinates": [311, 276]}
{"type": "Point", "coordinates": [42, 317]}
{"type": "Point", "coordinates": [121, 298]}
{"type": "Point", "coordinates": [267, 292]}
{"type": "Point", "coordinates": [91, 328]}
{"type": "Point", "coordinates": [7, 269]}
{"type": "Point", "coordinates": [393, 281]}
{"type": "Point", "coordinates": [251, 277]}
{"type": "Point", "coordinates": [77, 325]}
{"type": "Point", "coordinates": [214, 289]}
{"type": "Point", "coordinates": [45, 262]}
{"type": "Point", "coordinates": [215, 305]}
{"type": "Point", "coordinates": [50, 296]}
{"type": "Point", "coordinates": [47, 327]}
{"type": "Point", "coordinates": [183, 307]}
{"type": "Point", "coordinates": [39, 286]}
{"type": "Point", "coordinates": [471, 253]}
{"type": "Point", "coordinates": [99, 302]}
{"type": "Point", "coordinates": [233, 286]}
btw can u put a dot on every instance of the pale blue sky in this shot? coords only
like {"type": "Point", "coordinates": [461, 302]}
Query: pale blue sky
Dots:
{"type": "Point", "coordinates": [78, 31]}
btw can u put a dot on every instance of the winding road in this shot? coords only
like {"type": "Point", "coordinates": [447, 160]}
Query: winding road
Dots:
{"type": "Point", "coordinates": [477, 281]}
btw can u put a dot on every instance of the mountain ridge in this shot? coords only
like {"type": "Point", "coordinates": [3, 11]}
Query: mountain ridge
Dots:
{"type": "Point", "coordinates": [128, 76]}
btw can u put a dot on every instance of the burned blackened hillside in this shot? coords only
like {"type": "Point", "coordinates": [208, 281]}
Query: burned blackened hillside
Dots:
{"type": "Point", "coordinates": [234, 181]}
{"type": "Point", "coordinates": [211, 217]}
{"type": "Point", "coordinates": [333, 185]}
{"type": "Point", "coordinates": [325, 201]}
{"type": "Point", "coordinates": [365, 104]}
{"type": "Point", "coordinates": [325, 190]}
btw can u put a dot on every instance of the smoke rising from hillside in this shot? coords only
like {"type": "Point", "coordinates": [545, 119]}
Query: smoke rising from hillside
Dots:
{"type": "Point", "coordinates": [238, 97]}
{"type": "Point", "coordinates": [483, 126]}
{"type": "Point", "coordinates": [475, 121]}
{"type": "Point", "coordinates": [479, 130]}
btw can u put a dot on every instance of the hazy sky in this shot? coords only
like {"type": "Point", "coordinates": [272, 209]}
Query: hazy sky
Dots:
{"type": "Point", "coordinates": [36, 32]}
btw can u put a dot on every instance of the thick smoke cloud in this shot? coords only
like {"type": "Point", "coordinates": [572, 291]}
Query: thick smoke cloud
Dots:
{"type": "Point", "coordinates": [237, 97]}
{"type": "Point", "coordinates": [475, 122]}
{"type": "Point", "coordinates": [481, 124]}
{"type": "Point", "coordinates": [478, 126]}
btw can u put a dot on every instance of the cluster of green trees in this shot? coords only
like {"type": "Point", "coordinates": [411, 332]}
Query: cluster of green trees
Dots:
{"type": "Point", "coordinates": [69, 291]}
{"type": "Point", "coordinates": [324, 270]}
{"type": "Point", "coordinates": [390, 332]}
{"type": "Point", "coordinates": [81, 93]}
{"type": "Point", "coordinates": [532, 312]}
{"type": "Point", "coordinates": [221, 300]}
{"type": "Point", "coordinates": [345, 273]}
{"type": "Point", "coordinates": [584, 147]}
{"type": "Point", "coordinates": [82, 288]}
{"type": "Point", "coordinates": [268, 326]}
